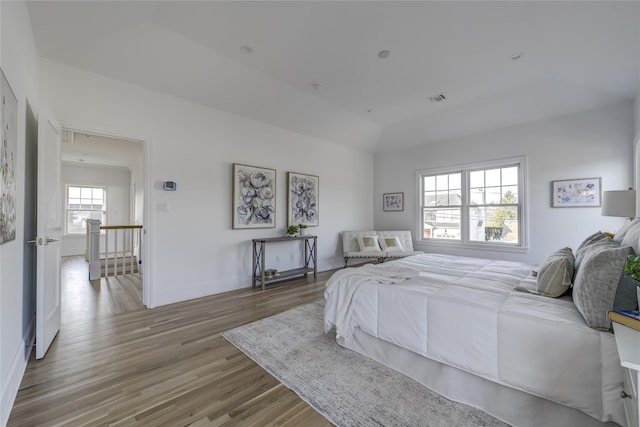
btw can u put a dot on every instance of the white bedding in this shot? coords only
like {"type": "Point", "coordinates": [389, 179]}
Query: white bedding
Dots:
{"type": "Point", "coordinates": [464, 312]}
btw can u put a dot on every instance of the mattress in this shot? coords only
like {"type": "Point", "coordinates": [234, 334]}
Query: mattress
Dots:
{"type": "Point", "coordinates": [466, 313]}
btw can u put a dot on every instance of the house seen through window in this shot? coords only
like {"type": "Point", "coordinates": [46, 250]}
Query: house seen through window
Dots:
{"type": "Point", "coordinates": [84, 203]}
{"type": "Point", "coordinates": [481, 204]}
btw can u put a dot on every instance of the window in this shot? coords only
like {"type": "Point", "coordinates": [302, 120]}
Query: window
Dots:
{"type": "Point", "coordinates": [481, 204]}
{"type": "Point", "coordinates": [84, 203]}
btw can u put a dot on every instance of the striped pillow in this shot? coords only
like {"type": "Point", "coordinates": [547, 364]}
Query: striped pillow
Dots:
{"type": "Point", "coordinates": [555, 273]}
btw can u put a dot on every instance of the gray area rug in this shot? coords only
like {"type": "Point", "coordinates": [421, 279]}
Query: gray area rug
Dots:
{"type": "Point", "coordinates": [344, 386]}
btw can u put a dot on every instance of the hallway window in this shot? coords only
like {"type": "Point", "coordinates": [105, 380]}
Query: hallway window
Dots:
{"type": "Point", "coordinates": [84, 203]}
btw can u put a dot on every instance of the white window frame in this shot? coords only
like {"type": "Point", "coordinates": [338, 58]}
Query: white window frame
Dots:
{"type": "Point", "coordinates": [67, 210]}
{"type": "Point", "coordinates": [464, 241]}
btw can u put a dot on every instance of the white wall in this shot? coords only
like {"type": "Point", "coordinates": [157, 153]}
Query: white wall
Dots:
{"type": "Point", "coordinates": [595, 143]}
{"type": "Point", "coordinates": [115, 180]}
{"type": "Point", "coordinates": [636, 121]}
{"type": "Point", "coordinates": [137, 191]}
{"type": "Point", "coordinates": [636, 115]}
{"type": "Point", "coordinates": [19, 62]}
{"type": "Point", "coordinates": [192, 249]}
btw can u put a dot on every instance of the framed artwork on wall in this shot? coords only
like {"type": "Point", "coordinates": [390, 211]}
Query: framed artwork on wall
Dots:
{"type": "Point", "coordinates": [392, 202]}
{"type": "Point", "coordinates": [8, 152]}
{"type": "Point", "coordinates": [574, 193]}
{"type": "Point", "coordinates": [254, 197]}
{"type": "Point", "coordinates": [302, 199]}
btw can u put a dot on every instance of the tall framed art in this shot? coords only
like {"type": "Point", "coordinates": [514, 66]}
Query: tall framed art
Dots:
{"type": "Point", "coordinates": [302, 199]}
{"type": "Point", "coordinates": [8, 152]}
{"type": "Point", "coordinates": [254, 197]}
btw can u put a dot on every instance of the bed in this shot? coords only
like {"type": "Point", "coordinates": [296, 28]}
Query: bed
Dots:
{"type": "Point", "coordinates": [478, 332]}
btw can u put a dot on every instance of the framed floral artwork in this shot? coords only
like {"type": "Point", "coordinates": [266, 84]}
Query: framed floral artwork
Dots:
{"type": "Point", "coordinates": [302, 199]}
{"type": "Point", "coordinates": [8, 156]}
{"type": "Point", "coordinates": [393, 202]}
{"type": "Point", "coordinates": [254, 197]}
{"type": "Point", "coordinates": [573, 193]}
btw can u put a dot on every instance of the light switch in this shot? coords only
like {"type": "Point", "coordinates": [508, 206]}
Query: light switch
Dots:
{"type": "Point", "coordinates": [162, 207]}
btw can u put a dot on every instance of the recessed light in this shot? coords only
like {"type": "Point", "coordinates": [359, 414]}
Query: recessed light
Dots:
{"type": "Point", "coordinates": [317, 85]}
{"type": "Point", "coordinates": [516, 56]}
{"type": "Point", "coordinates": [383, 54]}
{"type": "Point", "coordinates": [437, 98]}
{"type": "Point", "coordinates": [247, 50]}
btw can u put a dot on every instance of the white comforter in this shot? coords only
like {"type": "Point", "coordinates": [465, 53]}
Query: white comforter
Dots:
{"type": "Point", "coordinates": [464, 312]}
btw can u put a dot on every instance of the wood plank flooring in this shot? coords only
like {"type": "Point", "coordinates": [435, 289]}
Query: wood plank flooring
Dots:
{"type": "Point", "coordinates": [83, 300]}
{"type": "Point", "coordinates": [165, 366]}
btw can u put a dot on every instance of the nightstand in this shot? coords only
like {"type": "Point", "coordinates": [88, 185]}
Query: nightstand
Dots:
{"type": "Point", "coordinates": [628, 342]}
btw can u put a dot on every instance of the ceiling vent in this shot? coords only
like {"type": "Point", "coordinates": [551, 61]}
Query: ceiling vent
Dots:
{"type": "Point", "coordinates": [437, 98]}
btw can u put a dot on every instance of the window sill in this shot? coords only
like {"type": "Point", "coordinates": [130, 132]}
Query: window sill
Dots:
{"type": "Point", "coordinates": [435, 244]}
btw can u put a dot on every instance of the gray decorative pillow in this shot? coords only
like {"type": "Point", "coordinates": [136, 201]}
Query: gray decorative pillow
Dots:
{"type": "Point", "coordinates": [632, 236]}
{"type": "Point", "coordinates": [597, 282]}
{"type": "Point", "coordinates": [555, 273]}
{"type": "Point", "coordinates": [626, 294]}
{"type": "Point", "coordinates": [591, 240]}
{"type": "Point", "coordinates": [622, 231]}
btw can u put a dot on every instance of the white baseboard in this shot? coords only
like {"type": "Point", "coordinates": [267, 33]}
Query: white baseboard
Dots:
{"type": "Point", "coordinates": [16, 372]}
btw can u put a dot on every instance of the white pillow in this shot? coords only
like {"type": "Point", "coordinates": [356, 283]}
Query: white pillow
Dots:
{"type": "Point", "coordinates": [391, 244]}
{"type": "Point", "coordinates": [369, 244]}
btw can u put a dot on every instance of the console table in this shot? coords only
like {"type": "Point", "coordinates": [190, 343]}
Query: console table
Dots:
{"type": "Point", "coordinates": [310, 255]}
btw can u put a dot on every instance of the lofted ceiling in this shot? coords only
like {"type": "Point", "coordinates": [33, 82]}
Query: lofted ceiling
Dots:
{"type": "Point", "coordinates": [315, 68]}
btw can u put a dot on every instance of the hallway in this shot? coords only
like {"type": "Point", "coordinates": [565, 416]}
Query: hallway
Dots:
{"type": "Point", "coordinates": [83, 301]}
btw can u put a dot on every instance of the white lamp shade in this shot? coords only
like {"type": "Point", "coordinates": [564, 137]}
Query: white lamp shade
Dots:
{"type": "Point", "coordinates": [619, 203]}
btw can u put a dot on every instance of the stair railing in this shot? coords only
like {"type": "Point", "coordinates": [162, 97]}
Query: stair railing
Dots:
{"type": "Point", "coordinates": [121, 242]}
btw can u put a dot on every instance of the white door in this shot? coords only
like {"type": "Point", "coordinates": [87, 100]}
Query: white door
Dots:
{"type": "Point", "coordinates": [49, 231]}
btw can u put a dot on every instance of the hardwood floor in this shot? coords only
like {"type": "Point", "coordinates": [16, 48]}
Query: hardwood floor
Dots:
{"type": "Point", "coordinates": [165, 366]}
{"type": "Point", "coordinates": [83, 300]}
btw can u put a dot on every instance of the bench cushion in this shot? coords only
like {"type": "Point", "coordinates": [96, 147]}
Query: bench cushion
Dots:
{"type": "Point", "coordinates": [393, 244]}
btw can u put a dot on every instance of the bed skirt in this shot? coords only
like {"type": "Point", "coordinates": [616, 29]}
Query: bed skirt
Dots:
{"type": "Point", "coordinates": [510, 405]}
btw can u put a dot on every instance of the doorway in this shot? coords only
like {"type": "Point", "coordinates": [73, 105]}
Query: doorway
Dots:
{"type": "Point", "coordinates": [111, 168]}
{"type": "Point", "coordinates": [30, 218]}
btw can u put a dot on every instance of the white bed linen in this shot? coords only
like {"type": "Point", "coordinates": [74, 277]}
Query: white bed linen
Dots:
{"type": "Point", "coordinates": [464, 312]}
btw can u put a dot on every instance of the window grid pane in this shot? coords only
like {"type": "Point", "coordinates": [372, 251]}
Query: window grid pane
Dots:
{"type": "Point", "coordinates": [442, 206]}
{"type": "Point", "coordinates": [441, 223]}
{"type": "Point", "coordinates": [495, 219]}
{"type": "Point", "coordinates": [493, 205]}
{"type": "Point", "coordinates": [84, 203]}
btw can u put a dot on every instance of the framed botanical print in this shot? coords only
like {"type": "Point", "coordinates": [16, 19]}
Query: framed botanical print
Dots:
{"type": "Point", "coordinates": [8, 156]}
{"type": "Point", "coordinates": [393, 202]}
{"type": "Point", "coordinates": [302, 199]}
{"type": "Point", "coordinates": [254, 197]}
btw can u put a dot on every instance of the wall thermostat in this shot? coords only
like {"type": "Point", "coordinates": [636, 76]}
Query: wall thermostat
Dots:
{"type": "Point", "coordinates": [169, 185]}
